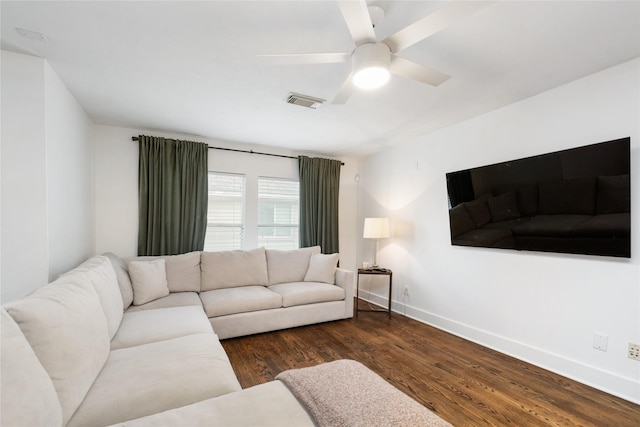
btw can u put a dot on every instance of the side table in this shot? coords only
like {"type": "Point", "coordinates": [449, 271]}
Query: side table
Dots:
{"type": "Point", "coordinates": [375, 272]}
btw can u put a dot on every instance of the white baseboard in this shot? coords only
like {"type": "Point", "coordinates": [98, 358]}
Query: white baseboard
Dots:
{"type": "Point", "coordinates": [607, 382]}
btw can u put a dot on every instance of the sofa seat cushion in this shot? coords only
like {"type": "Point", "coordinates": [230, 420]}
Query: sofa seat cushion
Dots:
{"type": "Point", "coordinates": [66, 327]}
{"type": "Point", "coordinates": [146, 326]}
{"type": "Point", "coordinates": [28, 395]}
{"type": "Point", "coordinates": [266, 405]}
{"type": "Point", "coordinates": [300, 293]}
{"type": "Point", "coordinates": [550, 225]}
{"type": "Point", "coordinates": [221, 302]}
{"type": "Point", "coordinates": [605, 225]}
{"type": "Point", "coordinates": [289, 266]}
{"type": "Point", "coordinates": [151, 378]}
{"type": "Point", "coordinates": [176, 299]}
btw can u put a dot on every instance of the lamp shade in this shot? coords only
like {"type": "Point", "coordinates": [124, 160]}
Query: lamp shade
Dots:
{"type": "Point", "coordinates": [376, 228]}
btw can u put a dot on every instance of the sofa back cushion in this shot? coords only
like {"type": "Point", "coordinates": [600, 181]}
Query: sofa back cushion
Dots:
{"type": "Point", "coordinates": [289, 266]}
{"type": "Point", "coordinates": [567, 197]}
{"type": "Point", "coordinates": [183, 271]}
{"type": "Point", "coordinates": [28, 395]}
{"type": "Point", "coordinates": [99, 271]}
{"type": "Point", "coordinates": [66, 328]}
{"type": "Point", "coordinates": [230, 269]}
{"type": "Point", "coordinates": [124, 281]}
{"type": "Point", "coordinates": [613, 194]}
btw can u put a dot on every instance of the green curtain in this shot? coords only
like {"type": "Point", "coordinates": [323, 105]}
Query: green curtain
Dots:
{"type": "Point", "coordinates": [319, 187]}
{"type": "Point", "coordinates": [172, 196]}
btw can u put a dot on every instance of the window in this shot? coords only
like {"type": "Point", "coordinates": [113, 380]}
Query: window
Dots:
{"type": "Point", "coordinates": [225, 215]}
{"type": "Point", "coordinates": [278, 211]}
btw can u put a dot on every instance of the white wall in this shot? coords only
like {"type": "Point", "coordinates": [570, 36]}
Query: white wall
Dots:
{"type": "Point", "coordinates": [69, 157]}
{"type": "Point", "coordinates": [116, 186]}
{"type": "Point", "coordinates": [539, 307]}
{"type": "Point", "coordinates": [47, 204]}
{"type": "Point", "coordinates": [25, 263]}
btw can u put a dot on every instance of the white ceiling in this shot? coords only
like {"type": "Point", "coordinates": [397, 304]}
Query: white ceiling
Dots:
{"type": "Point", "coordinates": [190, 67]}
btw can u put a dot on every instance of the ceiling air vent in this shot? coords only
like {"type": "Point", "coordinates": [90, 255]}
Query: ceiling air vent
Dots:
{"type": "Point", "coordinates": [304, 100]}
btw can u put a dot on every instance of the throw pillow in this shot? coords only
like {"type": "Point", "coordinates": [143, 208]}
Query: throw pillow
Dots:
{"type": "Point", "coordinates": [322, 268]}
{"type": "Point", "coordinates": [149, 280]}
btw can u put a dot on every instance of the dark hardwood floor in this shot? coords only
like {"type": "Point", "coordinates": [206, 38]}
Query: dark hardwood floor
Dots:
{"type": "Point", "coordinates": [464, 383]}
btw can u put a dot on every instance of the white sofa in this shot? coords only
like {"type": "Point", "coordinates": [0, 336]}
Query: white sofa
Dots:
{"type": "Point", "coordinates": [76, 352]}
{"type": "Point", "coordinates": [249, 292]}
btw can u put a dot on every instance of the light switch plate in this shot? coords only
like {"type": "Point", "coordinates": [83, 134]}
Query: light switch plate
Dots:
{"type": "Point", "coordinates": [600, 341]}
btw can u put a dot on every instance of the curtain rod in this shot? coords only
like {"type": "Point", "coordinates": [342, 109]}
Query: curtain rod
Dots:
{"type": "Point", "coordinates": [135, 138]}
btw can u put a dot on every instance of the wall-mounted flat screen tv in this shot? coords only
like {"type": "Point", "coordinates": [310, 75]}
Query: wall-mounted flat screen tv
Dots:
{"type": "Point", "coordinates": [571, 201]}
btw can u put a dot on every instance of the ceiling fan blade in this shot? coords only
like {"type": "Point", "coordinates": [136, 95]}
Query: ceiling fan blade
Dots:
{"type": "Point", "coordinates": [303, 58]}
{"type": "Point", "coordinates": [345, 91]}
{"type": "Point", "coordinates": [356, 16]}
{"type": "Point", "coordinates": [431, 24]}
{"type": "Point", "coordinates": [410, 70]}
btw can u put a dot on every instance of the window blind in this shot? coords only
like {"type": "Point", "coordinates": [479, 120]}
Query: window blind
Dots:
{"type": "Point", "coordinates": [278, 213]}
{"type": "Point", "coordinates": [225, 215]}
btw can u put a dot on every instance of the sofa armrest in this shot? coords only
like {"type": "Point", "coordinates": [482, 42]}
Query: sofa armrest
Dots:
{"type": "Point", "coordinates": [344, 279]}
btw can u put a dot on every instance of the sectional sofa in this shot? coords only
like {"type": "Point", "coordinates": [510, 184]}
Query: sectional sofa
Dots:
{"type": "Point", "coordinates": [115, 340]}
{"type": "Point", "coordinates": [135, 343]}
{"type": "Point", "coordinates": [243, 292]}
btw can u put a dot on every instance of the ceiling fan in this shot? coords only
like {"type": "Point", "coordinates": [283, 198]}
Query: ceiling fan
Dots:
{"type": "Point", "coordinates": [372, 60]}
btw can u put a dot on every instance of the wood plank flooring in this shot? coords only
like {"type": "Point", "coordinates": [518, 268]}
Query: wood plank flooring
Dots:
{"type": "Point", "coordinates": [464, 383]}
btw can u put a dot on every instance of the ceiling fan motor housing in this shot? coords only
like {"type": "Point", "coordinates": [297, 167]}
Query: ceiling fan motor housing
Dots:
{"type": "Point", "coordinates": [371, 61]}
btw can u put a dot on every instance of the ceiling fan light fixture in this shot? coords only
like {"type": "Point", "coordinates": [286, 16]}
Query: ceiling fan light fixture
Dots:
{"type": "Point", "coordinates": [371, 65]}
{"type": "Point", "coordinates": [371, 77]}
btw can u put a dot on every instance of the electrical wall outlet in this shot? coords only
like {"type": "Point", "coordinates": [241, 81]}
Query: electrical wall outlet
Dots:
{"type": "Point", "coordinates": [634, 351]}
{"type": "Point", "coordinates": [406, 290]}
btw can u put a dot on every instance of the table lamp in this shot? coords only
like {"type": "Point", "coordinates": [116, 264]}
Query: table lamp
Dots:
{"type": "Point", "coordinates": [376, 228]}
